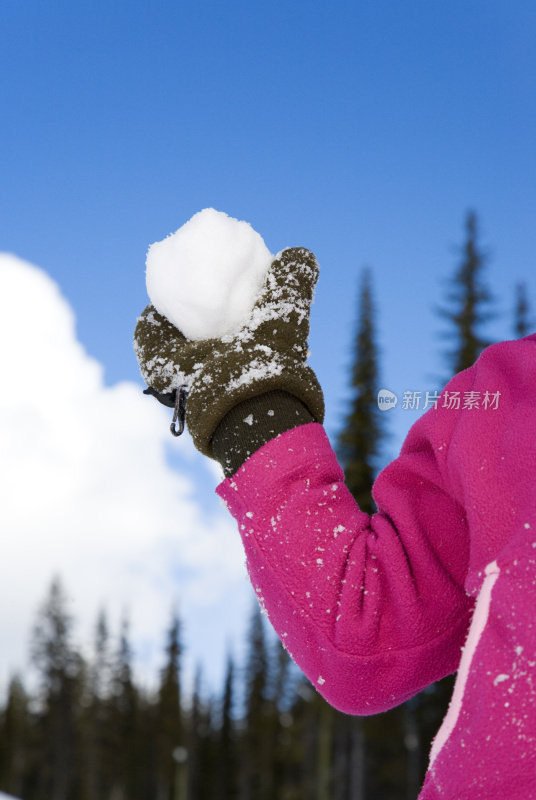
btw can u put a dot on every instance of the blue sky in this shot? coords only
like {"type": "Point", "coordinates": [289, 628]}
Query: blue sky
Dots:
{"type": "Point", "coordinates": [362, 130]}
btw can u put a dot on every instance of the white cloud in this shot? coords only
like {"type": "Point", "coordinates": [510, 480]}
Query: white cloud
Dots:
{"type": "Point", "coordinates": [88, 492]}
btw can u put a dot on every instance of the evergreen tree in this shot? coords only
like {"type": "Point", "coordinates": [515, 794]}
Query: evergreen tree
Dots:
{"type": "Point", "coordinates": [101, 672]}
{"type": "Point", "coordinates": [359, 442]}
{"type": "Point", "coordinates": [256, 776]}
{"type": "Point", "coordinates": [349, 769]}
{"type": "Point", "coordinates": [168, 714]}
{"type": "Point", "coordinates": [201, 759]}
{"type": "Point", "coordinates": [415, 767]}
{"type": "Point", "coordinates": [358, 447]}
{"type": "Point", "coordinates": [61, 673]}
{"type": "Point", "coordinates": [523, 322]}
{"type": "Point", "coordinates": [468, 302]}
{"type": "Point", "coordinates": [125, 741]}
{"type": "Point", "coordinates": [280, 702]}
{"type": "Point", "coordinates": [303, 732]}
{"type": "Point", "coordinates": [15, 740]}
{"type": "Point", "coordinates": [324, 750]}
{"type": "Point", "coordinates": [97, 750]}
{"type": "Point", "coordinates": [227, 769]}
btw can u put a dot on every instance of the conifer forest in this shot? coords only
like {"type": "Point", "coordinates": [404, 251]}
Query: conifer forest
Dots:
{"type": "Point", "coordinates": [86, 730]}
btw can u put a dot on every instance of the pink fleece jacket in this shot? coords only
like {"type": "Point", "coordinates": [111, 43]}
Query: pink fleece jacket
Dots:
{"type": "Point", "coordinates": [375, 608]}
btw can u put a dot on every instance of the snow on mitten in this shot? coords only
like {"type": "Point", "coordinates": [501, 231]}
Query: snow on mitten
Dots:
{"type": "Point", "coordinates": [167, 360]}
{"type": "Point", "coordinates": [267, 354]}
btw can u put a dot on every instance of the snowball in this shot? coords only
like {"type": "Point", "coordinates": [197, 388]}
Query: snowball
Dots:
{"type": "Point", "coordinates": [206, 276]}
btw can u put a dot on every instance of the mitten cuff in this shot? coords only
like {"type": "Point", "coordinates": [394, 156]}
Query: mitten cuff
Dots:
{"type": "Point", "coordinates": [208, 404]}
{"type": "Point", "coordinates": [249, 425]}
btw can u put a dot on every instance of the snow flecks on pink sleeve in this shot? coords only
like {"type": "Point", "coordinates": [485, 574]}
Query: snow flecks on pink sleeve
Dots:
{"type": "Point", "coordinates": [491, 751]}
{"type": "Point", "coordinates": [387, 611]}
{"type": "Point", "coordinates": [353, 594]}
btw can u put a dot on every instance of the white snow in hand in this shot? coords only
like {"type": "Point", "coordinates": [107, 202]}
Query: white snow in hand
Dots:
{"type": "Point", "coordinates": [206, 276]}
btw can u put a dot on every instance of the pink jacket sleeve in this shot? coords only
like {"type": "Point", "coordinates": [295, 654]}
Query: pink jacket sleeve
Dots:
{"type": "Point", "coordinates": [372, 608]}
